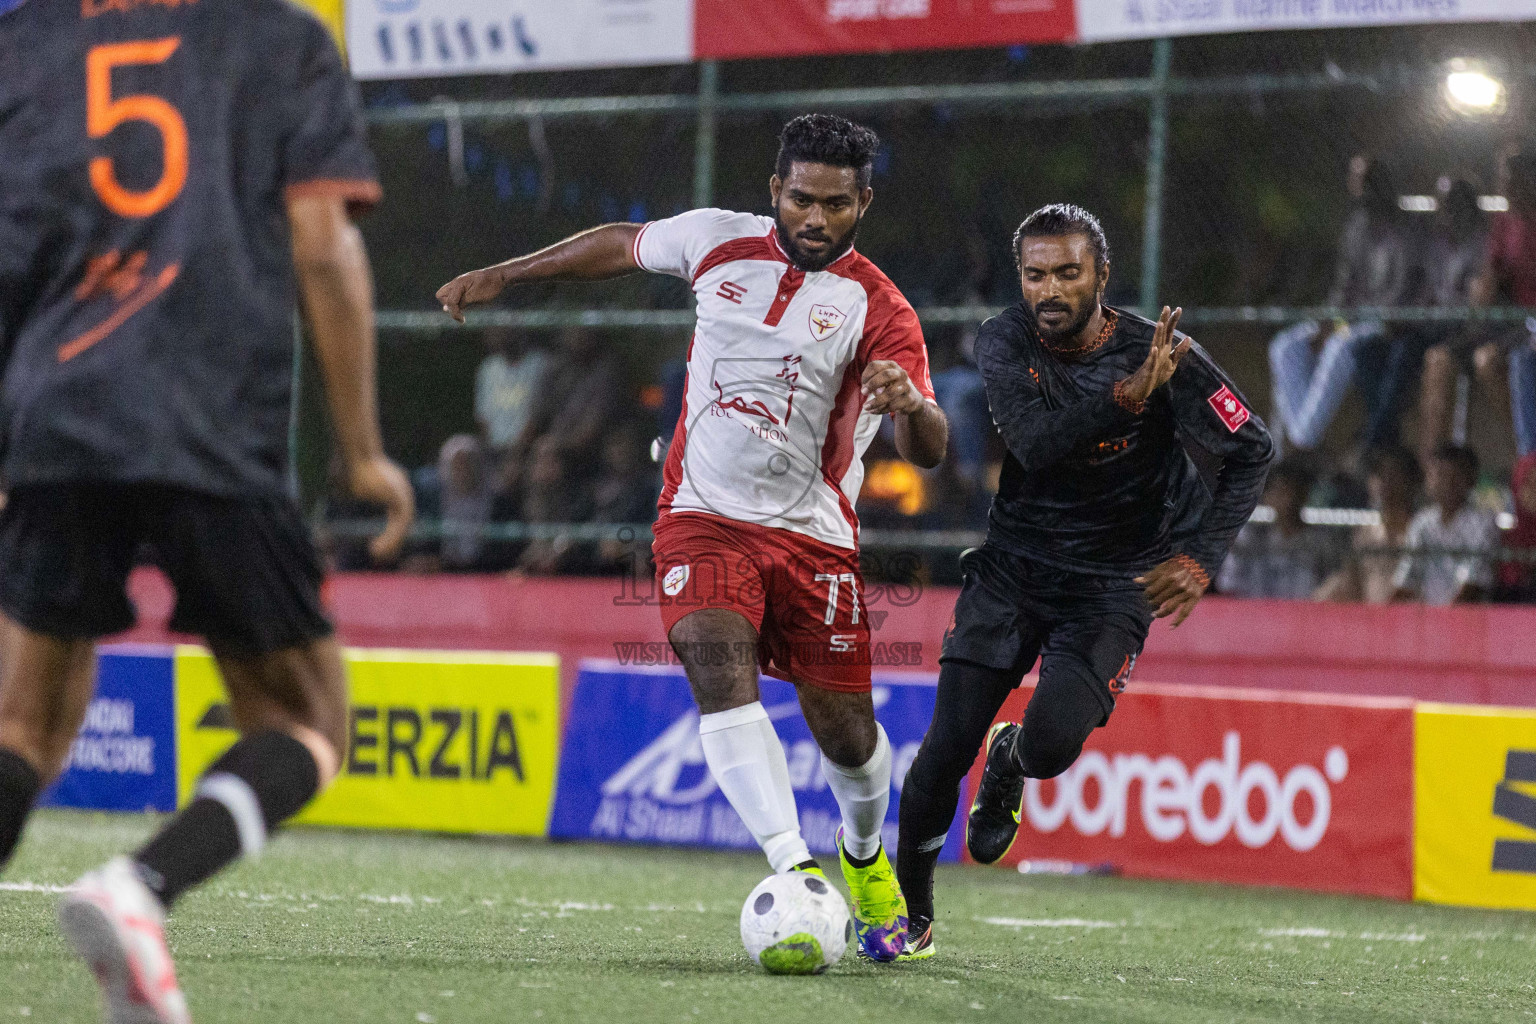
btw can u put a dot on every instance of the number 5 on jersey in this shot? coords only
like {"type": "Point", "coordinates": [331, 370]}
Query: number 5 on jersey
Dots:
{"type": "Point", "coordinates": [103, 114]}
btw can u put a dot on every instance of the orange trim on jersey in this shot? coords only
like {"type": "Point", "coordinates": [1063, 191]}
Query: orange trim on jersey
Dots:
{"type": "Point", "coordinates": [361, 193]}
{"type": "Point", "coordinates": [145, 296]}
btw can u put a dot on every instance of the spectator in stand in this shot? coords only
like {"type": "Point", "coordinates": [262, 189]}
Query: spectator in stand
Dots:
{"type": "Point", "coordinates": [1286, 558]}
{"type": "Point", "coordinates": [1454, 259]}
{"type": "Point", "coordinates": [1374, 269]}
{"type": "Point", "coordinates": [625, 492]}
{"type": "Point", "coordinates": [551, 496]}
{"type": "Point", "coordinates": [1451, 525]}
{"type": "Point", "coordinates": [1511, 279]}
{"type": "Point", "coordinates": [1369, 575]}
{"type": "Point", "coordinates": [583, 393]}
{"type": "Point", "coordinates": [467, 505]}
{"type": "Point", "coordinates": [506, 384]}
{"type": "Point", "coordinates": [1517, 580]}
{"type": "Point", "coordinates": [960, 392]}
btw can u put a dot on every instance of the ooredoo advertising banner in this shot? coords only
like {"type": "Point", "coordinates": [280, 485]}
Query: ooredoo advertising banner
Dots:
{"type": "Point", "coordinates": [1235, 786]}
{"type": "Point", "coordinates": [1475, 791]}
{"type": "Point", "coordinates": [633, 769]}
{"type": "Point", "coordinates": [445, 741]}
{"type": "Point", "coordinates": [417, 38]}
{"type": "Point", "coordinates": [780, 28]}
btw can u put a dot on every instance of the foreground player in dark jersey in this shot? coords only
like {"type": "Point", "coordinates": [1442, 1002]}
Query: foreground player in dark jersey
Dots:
{"type": "Point", "coordinates": [1101, 524]}
{"type": "Point", "coordinates": [164, 170]}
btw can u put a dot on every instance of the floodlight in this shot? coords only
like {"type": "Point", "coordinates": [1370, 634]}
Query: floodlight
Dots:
{"type": "Point", "coordinates": [1470, 90]}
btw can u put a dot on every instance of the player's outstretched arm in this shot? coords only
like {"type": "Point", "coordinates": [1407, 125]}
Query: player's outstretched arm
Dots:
{"type": "Point", "coordinates": [593, 255]}
{"type": "Point", "coordinates": [337, 289]}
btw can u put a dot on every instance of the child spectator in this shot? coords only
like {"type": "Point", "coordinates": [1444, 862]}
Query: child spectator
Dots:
{"type": "Point", "coordinates": [1393, 478]}
{"type": "Point", "coordinates": [1451, 524]}
{"type": "Point", "coordinates": [467, 506]}
{"type": "Point", "coordinates": [506, 384]}
{"type": "Point", "coordinates": [1285, 559]}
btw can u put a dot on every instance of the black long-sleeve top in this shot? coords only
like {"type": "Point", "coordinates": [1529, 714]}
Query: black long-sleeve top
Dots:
{"type": "Point", "coordinates": [1090, 485]}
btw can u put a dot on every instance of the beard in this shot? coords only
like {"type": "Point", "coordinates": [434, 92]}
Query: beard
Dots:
{"type": "Point", "coordinates": [808, 261]}
{"type": "Point", "coordinates": [1069, 328]}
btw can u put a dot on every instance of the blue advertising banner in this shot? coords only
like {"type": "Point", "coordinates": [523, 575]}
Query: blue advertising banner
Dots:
{"type": "Point", "coordinates": [125, 756]}
{"type": "Point", "coordinates": [632, 768]}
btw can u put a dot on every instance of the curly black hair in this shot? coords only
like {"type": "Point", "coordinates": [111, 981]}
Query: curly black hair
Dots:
{"type": "Point", "coordinates": [828, 139]}
{"type": "Point", "coordinates": [1062, 219]}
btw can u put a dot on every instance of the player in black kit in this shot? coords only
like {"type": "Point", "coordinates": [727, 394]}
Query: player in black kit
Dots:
{"type": "Point", "coordinates": [172, 177]}
{"type": "Point", "coordinates": [1101, 523]}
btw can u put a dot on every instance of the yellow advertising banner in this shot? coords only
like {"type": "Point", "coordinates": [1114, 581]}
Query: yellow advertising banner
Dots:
{"type": "Point", "coordinates": [442, 741]}
{"type": "Point", "coordinates": [1475, 804]}
{"type": "Point", "coordinates": [334, 14]}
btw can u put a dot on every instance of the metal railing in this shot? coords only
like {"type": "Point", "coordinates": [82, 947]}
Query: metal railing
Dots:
{"type": "Point", "coordinates": [429, 530]}
{"type": "Point", "coordinates": [428, 321]}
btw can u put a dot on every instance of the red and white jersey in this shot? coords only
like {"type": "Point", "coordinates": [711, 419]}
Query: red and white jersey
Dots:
{"type": "Point", "coordinates": [772, 429]}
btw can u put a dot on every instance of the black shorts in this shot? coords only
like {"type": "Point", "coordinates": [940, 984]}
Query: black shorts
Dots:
{"type": "Point", "coordinates": [246, 573]}
{"type": "Point", "coordinates": [1012, 610]}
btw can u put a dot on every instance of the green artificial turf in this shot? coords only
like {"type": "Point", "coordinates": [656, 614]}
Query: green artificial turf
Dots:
{"type": "Point", "coordinates": [388, 927]}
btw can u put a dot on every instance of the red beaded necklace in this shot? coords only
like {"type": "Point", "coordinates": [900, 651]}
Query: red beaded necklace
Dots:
{"type": "Point", "coordinates": [1111, 318]}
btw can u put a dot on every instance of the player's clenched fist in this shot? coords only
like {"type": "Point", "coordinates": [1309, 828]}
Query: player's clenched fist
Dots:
{"type": "Point", "coordinates": [887, 388]}
{"type": "Point", "coordinates": [470, 289]}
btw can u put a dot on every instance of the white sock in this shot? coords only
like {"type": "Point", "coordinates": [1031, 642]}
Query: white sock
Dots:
{"type": "Point", "coordinates": [747, 760]}
{"type": "Point", "coordinates": [863, 795]}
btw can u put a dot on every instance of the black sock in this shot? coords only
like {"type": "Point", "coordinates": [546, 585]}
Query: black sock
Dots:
{"type": "Point", "coordinates": [260, 782]}
{"type": "Point", "coordinates": [807, 865]}
{"type": "Point", "coordinates": [967, 701]}
{"type": "Point", "coordinates": [925, 821]}
{"type": "Point", "coordinates": [19, 786]}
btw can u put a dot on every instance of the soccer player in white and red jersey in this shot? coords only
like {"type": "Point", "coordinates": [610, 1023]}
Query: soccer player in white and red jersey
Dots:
{"type": "Point", "coordinates": [801, 345]}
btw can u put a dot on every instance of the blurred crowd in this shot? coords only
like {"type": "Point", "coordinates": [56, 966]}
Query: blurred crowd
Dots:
{"type": "Point", "coordinates": [1436, 533]}
{"type": "Point", "coordinates": [565, 436]}
{"type": "Point", "coordinates": [561, 439]}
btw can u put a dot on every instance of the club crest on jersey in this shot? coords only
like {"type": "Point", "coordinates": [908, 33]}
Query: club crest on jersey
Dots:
{"type": "Point", "coordinates": [1229, 410]}
{"type": "Point", "coordinates": [825, 320]}
{"type": "Point", "coordinates": [674, 581]}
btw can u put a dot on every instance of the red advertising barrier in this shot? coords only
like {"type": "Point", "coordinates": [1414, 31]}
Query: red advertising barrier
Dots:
{"type": "Point", "coordinates": [1241, 786]}
{"type": "Point", "coordinates": [788, 28]}
{"type": "Point", "coordinates": [1471, 655]}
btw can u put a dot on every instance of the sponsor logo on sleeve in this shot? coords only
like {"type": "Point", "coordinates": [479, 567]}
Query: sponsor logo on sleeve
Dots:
{"type": "Point", "coordinates": [1232, 413]}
